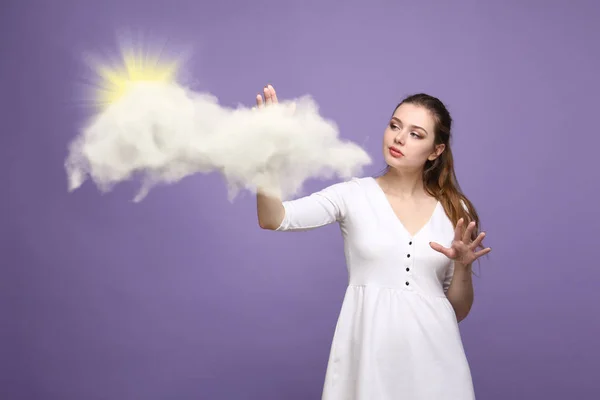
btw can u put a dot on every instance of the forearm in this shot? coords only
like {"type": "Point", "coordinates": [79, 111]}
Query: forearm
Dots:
{"type": "Point", "coordinates": [270, 210]}
{"type": "Point", "coordinates": [460, 293]}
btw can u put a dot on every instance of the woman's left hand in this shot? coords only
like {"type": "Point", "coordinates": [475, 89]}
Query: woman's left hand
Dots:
{"type": "Point", "coordinates": [462, 249]}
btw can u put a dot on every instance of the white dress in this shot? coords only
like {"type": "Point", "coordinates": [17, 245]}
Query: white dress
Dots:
{"type": "Point", "coordinates": [397, 336]}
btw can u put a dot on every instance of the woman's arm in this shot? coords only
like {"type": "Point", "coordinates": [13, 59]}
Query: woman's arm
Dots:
{"type": "Point", "coordinates": [270, 211]}
{"type": "Point", "coordinates": [460, 293]}
{"type": "Point", "coordinates": [458, 283]}
{"type": "Point", "coordinates": [315, 210]}
{"type": "Point", "coordinates": [318, 209]}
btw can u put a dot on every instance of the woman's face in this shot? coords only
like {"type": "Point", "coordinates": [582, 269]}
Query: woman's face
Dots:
{"type": "Point", "coordinates": [408, 140]}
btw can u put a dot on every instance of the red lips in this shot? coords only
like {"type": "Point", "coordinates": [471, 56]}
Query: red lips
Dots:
{"type": "Point", "coordinates": [394, 152]}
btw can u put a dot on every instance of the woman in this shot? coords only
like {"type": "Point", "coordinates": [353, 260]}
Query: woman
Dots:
{"type": "Point", "coordinates": [410, 238]}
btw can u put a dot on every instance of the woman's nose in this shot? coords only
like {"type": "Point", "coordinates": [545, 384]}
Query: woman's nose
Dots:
{"type": "Point", "coordinates": [399, 138]}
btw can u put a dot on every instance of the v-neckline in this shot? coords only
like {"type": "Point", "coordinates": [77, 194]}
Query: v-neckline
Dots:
{"type": "Point", "coordinates": [395, 216]}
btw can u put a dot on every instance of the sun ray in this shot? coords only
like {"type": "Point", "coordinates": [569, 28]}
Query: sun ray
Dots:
{"type": "Point", "coordinates": [135, 65]}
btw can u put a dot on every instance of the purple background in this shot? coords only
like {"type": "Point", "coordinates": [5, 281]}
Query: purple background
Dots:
{"type": "Point", "coordinates": [183, 297]}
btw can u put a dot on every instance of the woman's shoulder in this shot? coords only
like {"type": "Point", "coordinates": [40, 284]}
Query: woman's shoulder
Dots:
{"type": "Point", "coordinates": [351, 185]}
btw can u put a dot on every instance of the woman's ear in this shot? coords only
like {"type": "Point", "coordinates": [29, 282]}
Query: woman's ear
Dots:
{"type": "Point", "coordinates": [439, 149]}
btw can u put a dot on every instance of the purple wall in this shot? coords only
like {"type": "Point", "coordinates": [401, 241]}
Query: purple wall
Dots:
{"type": "Point", "coordinates": [183, 297]}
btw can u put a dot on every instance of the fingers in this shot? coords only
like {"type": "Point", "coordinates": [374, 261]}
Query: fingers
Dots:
{"type": "Point", "coordinates": [267, 92]}
{"type": "Point", "coordinates": [482, 252]}
{"type": "Point", "coordinates": [448, 252]}
{"type": "Point", "coordinates": [477, 240]}
{"type": "Point", "coordinates": [458, 232]}
{"type": "Point", "coordinates": [270, 97]}
{"type": "Point", "coordinates": [273, 94]}
{"type": "Point", "coordinates": [468, 232]}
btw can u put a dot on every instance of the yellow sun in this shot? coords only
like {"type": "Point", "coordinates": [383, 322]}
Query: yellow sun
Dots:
{"type": "Point", "coordinates": [135, 66]}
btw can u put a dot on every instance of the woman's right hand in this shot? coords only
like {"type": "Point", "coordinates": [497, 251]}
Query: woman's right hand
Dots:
{"type": "Point", "coordinates": [270, 97]}
{"type": "Point", "coordinates": [269, 207]}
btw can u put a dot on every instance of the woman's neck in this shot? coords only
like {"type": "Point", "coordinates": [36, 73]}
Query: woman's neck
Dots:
{"type": "Point", "coordinates": [404, 185]}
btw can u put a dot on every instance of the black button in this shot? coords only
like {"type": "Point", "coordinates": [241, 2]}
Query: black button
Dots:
{"type": "Point", "coordinates": [409, 242]}
{"type": "Point", "coordinates": [407, 269]}
{"type": "Point", "coordinates": [408, 255]}
{"type": "Point", "coordinates": [406, 283]}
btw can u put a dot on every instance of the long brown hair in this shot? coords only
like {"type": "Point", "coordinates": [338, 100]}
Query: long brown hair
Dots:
{"type": "Point", "coordinates": [439, 177]}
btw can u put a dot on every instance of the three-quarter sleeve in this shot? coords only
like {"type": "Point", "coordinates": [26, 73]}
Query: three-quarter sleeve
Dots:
{"type": "Point", "coordinates": [315, 210]}
{"type": "Point", "coordinates": [448, 277]}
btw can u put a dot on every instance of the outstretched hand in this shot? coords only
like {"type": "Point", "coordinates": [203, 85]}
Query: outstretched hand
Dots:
{"type": "Point", "coordinates": [270, 97]}
{"type": "Point", "coordinates": [463, 249]}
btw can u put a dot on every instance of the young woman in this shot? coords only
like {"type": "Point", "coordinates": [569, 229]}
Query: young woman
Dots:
{"type": "Point", "coordinates": [410, 238]}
